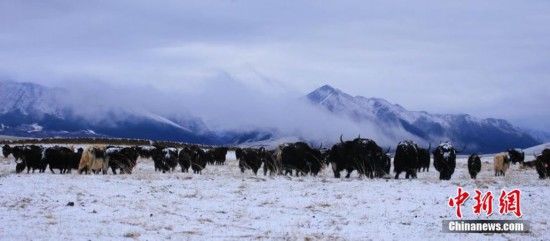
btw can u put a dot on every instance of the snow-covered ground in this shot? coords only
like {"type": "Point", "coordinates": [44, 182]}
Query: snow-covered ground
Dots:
{"type": "Point", "coordinates": [223, 204]}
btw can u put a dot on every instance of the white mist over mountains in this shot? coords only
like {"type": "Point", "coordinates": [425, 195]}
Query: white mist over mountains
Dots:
{"type": "Point", "coordinates": [220, 104]}
{"type": "Point", "coordinates": [224, 111]}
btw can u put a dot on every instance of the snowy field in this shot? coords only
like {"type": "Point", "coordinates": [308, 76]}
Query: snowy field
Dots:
{"type": "Point", "coordinates": [223, 204]}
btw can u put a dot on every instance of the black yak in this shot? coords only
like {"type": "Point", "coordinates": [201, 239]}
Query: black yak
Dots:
{"type": "Point", "coordinates": [406, 159]}
{"type": "Point", "coordinates": [543, 164]}
{"type": "Point", "coordinates": [474, 165]}
{"type": "Point", "coordinates": [423, 159]}
{"type": "Point", "coordinates": [17, 153]}
{"type": "Point", "coordinates": [445, 160]}
{"type": "Point", "coordinates": [184, 158]}
{"type": "Point", "coordinates": [199, 158]}
{"type": "Point", "coordinates": [375, 163]}
{"type": "Point", "coordinates": [121, 158]}
{"type": "Point", "coordinates": [272, 161]}
{"type": "Point", "coordinates": [300, 157]}
{"type": "Point", "coordinates": [62, 158]}
{"type": "Point", "coordinates": [341, 156]}
{"type": "Point", "coordinates": [217, 155]}
{"type": "Point", "coordinates": [516, 155]}
{"type": "Point", "coordinates": [34, 156]}
{"type": "Point", "coordinates": [30, 157]}
{"type": "Point", "coordinates": [362, 155]}
{"type": "Point", "coordinates": [165, 159]}
{"type": "Point", "coordinates": [249, 158]}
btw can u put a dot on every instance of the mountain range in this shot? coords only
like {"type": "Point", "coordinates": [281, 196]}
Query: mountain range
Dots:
{"type": "Point", "coordinates": [33, 110]}
{"type": "Point", "coordinates": [477, 135]}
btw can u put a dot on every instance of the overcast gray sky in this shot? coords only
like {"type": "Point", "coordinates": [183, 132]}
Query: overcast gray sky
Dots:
{"type": "Point", "coordinates": [486, 58]}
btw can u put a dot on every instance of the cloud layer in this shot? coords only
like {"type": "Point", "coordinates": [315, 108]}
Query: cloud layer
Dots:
{"type": "Point", "coordinates": [486, 58]}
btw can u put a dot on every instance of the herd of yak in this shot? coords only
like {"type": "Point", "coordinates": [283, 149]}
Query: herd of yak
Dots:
{"type": "Point", "coordinates": [361, 155]}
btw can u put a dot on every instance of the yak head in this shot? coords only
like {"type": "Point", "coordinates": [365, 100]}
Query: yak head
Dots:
{"type": "Point", "coordinates": [445, 151]}
{"type": "Point", "coordinates": [6, 150]}
{"type": "Point", "coordinates": [146, 151]}
{"type": "Point", "coordinates": [185, 153]}
{"type": "Point", "coordinates": [169, 152]}
{"type": "Point", "coordinates": [19, 167]}
{"type": "Point", "coordinates": [238, 153]}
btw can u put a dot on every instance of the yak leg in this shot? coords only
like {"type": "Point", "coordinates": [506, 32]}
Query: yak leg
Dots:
{"type": "Point", "coordinates": [349, 171]}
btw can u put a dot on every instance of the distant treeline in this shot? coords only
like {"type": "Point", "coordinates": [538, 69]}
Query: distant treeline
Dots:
{"type": "Point", "coordinates": [97, 141]}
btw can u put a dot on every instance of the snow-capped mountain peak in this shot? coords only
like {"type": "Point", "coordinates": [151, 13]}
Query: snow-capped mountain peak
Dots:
{"type": "Point", "coordinates": [29, 99]}
{"type": "Point", "coordinates": [478, 134]}
{"type": "Point", "coordinates": [35, 110]}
